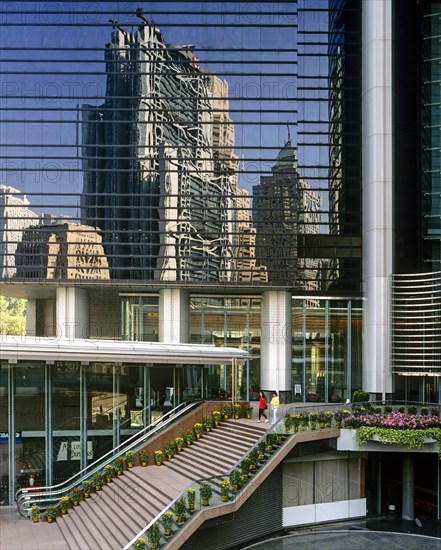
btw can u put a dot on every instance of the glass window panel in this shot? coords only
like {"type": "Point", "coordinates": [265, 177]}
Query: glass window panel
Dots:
{"type": "Point", "coordinates": [298, 482]}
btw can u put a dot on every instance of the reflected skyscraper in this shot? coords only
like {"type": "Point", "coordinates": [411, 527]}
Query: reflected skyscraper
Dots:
{"type": "Point", "coordinates": [159, 167]}
{"type": "Point", "coordinates": [298, 212]}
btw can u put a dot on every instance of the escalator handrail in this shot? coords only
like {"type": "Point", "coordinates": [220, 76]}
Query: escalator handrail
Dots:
{"type": "Point", "coordinates": [25, 497]}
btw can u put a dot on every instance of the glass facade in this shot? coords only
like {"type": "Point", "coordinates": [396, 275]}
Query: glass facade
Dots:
{"type": "Point", "coordinates": [195, 146]}
{"type": "Point", "coordinates": [327, 347]}
{"type": "Point", "coordinates": [232, 322]}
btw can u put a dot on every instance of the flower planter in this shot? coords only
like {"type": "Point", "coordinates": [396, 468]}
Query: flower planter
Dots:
{"type": "Point", "coordinates": [158, 463]}
{"type": "Point", "coordinates": [86, 495]}
{"type": "Point", "coordinates": [97, 488]}
{"type": "Point", "coordinates": [205, 502]}
{"type": "Point", "coordinates": [143, 464]}
{"type": "Point", "coordinates": [179, 519]}
{"type": "Point", "coordinates": [167, 532]}
{"type": "Point", "coordinates": [75, 503]}
{"type": "Point", "coordinates": [190, 506]}
{"type": "Point", "coordinates": [235, 487]}
{"type": "Point", "coordinates": [224, 498]}
{"type": "Point", "coordinates": [50, 520]}
{"type": "Point", "coordinates": [108, 479]}
{"type": "Point", "coordinates": [35, 520]}
{"type": "Point", "coordinates": [154, 545]}
{"type": "Point", "coordinates": [119, 472]}
{"type": "Point", "coordinates": [198, 436]}
{"type": "Point", "coordinates": [129, 464]}
{"type": "Point", "coordinates": [63, 512]}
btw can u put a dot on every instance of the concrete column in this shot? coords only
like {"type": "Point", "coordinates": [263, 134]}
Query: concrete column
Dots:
{"type": "Point", "coordinates": [275, 349]}
{"type": "Point", "coordinates": [31, 318]}
{"type": "Point", "coordinates": [377, 189]}
{"type": "Point", "coordinates": [72, 313]}
{"type": "Point", "coordinates": [408, 498]}
{"type": "Point", "coordinates": [174, 311]}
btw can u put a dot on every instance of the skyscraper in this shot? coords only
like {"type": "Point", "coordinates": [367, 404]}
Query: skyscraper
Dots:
{"type": "Point", "coordinates": [159, 166]}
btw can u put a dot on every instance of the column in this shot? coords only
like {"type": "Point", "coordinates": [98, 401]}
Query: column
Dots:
{"type": "Point", "coordinates": [275, 369]}
{"type": "Point", "coordinates": [376, 189]}
{"type": "Point", "coordinates": [174, 309]}
{"type": "Point", "coordinates": [408, 510]}
{"type": "Point", "coordinates": [31, 318]}
{"type": "Point", "coordinates": [72, 313]}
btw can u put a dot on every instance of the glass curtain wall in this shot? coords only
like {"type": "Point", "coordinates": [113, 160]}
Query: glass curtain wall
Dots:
{"type": "Point", "coordinates": [140, 318]}
{"type": "Point", "coordinates": [327, 351]}
{"type": "Point", "coordinates": [232, 322]}
{"type": "Point", "coordinates": [200, 145]}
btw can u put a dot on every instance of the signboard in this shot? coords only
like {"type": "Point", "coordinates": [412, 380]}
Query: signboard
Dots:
{"type": "Point", "coordinates": [4, 437]}
{"type": "Point", "coordinates": [71, 450]}
{"type": "Point", "coordinates": [297, 389]}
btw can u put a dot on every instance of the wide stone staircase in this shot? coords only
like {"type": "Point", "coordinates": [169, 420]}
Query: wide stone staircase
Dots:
{"type": "Point", "coordinates": [110, 518]}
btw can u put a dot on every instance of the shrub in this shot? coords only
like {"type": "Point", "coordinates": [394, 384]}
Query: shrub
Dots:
{"type": "Point", "coordinates": [412, 409]}
{"type": "Point", "coordinates": [360, 396]}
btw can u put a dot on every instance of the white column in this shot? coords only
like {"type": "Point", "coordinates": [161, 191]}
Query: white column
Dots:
{"type": "Point", "coordinates": [377, 189]}
{"type": "Point", "coordinates": [31, 318]}
{"type": "Point", "coordinates": [72, 313]}
{"type": "Point", "coordinates": [275, 349]}
{"type": "Point", "coordinates": [174, 316]}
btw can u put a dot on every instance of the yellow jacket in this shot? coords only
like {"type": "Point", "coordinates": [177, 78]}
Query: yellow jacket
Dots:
{"type": "Point", "coordinates": [275, 401]}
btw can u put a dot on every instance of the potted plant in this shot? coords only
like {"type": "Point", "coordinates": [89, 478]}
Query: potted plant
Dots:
{"type": "Point", "coordinates": [118, 465]}
{"type": "Point", "coordinates": [97, 481]}
{"type": "Point", "coordinates": [63, 504]}
{"type": "Point", "coordinates": [130, 457]}
{"type": "Point", "coordinates": [261, 448]}
{"type": "Point", "coordinates": [87, 486]}
{"type": "Point", "coordinates": [226, 410]}
{"type": "Point", "coordinates": [143, 455]}
{"type": "Point", "coordinates": [248, 411]}
{"type": "Point", "coordinates": [270, 440]}
{"type": "Point", "coordinates": [313, 417]}
{"type": "Point", "coordinates": [216, 417]}
{"type": "Point", "coordinates": [206, 492]}
{"type": "Point", "coordinates": [191, 497]}
{"type": "Point", "coordinates": [108, 472]}
{"type": "Point", "coordinates": [180, 510]}
{"type": "Point", "coordinates": [245, 467]}
{"type": "Point", "coordinates": [235, 479]}
{"type": "Point", "coordinates": [35, 513]}
{"type": "Point", "coordinates": [75, 496]}
{"type": "Point", "coordinates": [188, 437]}
{"type": "Point", "coordinates": [179, 442]}
{"type": "Point", "coordinates": [154, 535]}
{"type": "Point", "coordinates": [253, 455]}
{"type": "Point", "coordinates": [224, 486]}
{"type": "Point", "coordinates": [159, 456]}
{"type": "Point", "coordinates": [140, 544]}
{"type": "Point", "coordinates": [50, 514]}
{"type": "Point", "coordinates": [207, 422]}
{"type": "Point", "coordinates": [167, 522]}
{"type": "Point", "coordinates": [236, 410]}
{"type": "Point", "coordinates": [170, 449]}
{"type": "Point", "coordinates": [198, 429]}
{"type": "Point", "coordinates": [360, 396]}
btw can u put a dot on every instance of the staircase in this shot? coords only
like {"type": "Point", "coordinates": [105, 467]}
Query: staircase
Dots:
{"type": "Point", "coordinates": [113, 516]}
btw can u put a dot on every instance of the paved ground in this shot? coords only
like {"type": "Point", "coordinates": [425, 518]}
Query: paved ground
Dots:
{"type": "Point", "coordinates": [378, 533]}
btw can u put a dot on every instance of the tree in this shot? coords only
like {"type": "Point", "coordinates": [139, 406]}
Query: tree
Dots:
{"type": "Point", "coordinates": [12, 316]}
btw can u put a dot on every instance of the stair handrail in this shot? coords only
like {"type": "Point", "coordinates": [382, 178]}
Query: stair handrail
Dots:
{"type": "Point", "coordinates": [273, 429]}
{"type": "Point", "coordinates": [43, 496]}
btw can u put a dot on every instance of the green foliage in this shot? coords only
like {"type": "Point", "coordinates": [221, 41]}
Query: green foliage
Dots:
{"type": "Point", "coordinates": [12, 316]}
{"type": "Point", "coordinates": [360, 396]}
{"type": "Point", "coordinates": [413, 439]}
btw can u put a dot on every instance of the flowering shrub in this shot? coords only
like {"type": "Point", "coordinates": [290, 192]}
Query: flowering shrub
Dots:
{"type": "Point", "coordinates": [395, 428]}
{"type": "Point", "coordinates": [396, 421]}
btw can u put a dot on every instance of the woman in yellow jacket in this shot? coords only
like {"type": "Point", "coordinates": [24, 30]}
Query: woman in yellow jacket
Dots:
{"type": "Point", "coordinates": [275, 404]}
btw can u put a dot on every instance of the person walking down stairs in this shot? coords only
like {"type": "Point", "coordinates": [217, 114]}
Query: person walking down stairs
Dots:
{"type": "Point", "coordinates": [262, 407]}
{"type": "Point", "coordinates": [275, 404]}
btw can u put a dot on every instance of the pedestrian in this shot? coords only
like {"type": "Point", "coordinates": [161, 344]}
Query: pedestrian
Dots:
{"type": "Point", "coordinates": [275, 403]}
{"type": "Point", "coordinates": [262, 407]}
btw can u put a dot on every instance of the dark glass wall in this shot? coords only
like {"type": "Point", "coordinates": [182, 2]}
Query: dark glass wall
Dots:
{"type": "Point", "coordinates": [211, 143]}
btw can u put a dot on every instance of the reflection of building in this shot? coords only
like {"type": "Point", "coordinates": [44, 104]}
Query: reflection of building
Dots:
{"type": "Point", "coordinates": [153, 184]}
{"type": "Point", "coordinates": [61, 251]}
{"type": "Point", "coordinates": [284, 207]}
{"type": "Point", "coordinates": [247, 269]}
{"type": "Point", "coordinates": [14, 217]}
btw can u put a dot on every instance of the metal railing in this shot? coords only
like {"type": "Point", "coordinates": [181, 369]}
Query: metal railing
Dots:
{"type": "Point", "coordinates": [47, 496]}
